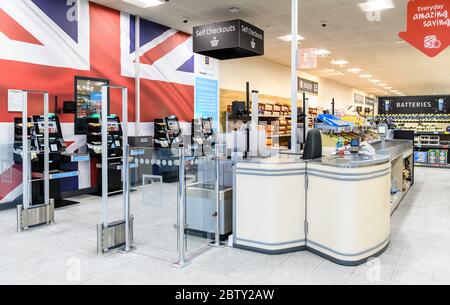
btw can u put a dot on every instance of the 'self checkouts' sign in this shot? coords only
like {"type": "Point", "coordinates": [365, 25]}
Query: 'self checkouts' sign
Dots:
{"type": "Point", "coordinates": [428, 26]}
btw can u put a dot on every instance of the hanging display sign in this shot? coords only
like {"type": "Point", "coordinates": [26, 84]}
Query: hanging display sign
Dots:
{"type": "Point", "coordinates": [370, 101]}
{"type": "Point", "coordinates": [308, 86]}
{"type": "Point", "coordinates": [228, 40]}
{"type": "Point", "coordinates": [428, 26]}
{"type": "Point", "coordinates": [359, 99]}
{"type": "Point", "coordinates": [414, 105]}
{"type": "Point", "coordinates": [307, 59]}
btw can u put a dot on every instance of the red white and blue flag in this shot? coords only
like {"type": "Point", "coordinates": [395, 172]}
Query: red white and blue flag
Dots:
{"type": "Point", "coordinates": [50, 33]}
{"type": "Point", "coordinates": [45, 43]}
{"type": "Point", "coordinates": [165, 54]}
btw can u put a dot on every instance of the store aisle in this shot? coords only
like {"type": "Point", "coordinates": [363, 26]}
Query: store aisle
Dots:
{"type": "Point", "coordinates": [65, 253]}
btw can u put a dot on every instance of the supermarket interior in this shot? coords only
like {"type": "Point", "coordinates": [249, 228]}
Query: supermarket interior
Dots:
{"type": "Point", "coordinates": [225, 142]}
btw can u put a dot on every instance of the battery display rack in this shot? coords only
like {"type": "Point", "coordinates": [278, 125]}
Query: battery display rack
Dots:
{"type": "Point", "coordinates": [415, 118]}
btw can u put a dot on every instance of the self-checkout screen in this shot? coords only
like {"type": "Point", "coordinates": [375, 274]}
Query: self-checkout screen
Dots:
{"type": "Point", "coordinates": [173, 126]}
{"type": "Point", "coordinates": [382, 129]}
{"type": "Point", "coordinates": [207, 126]}
{"type": "Point", "coordinates": [52, 126]}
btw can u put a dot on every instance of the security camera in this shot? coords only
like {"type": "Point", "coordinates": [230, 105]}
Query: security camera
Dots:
{"type": "Point", "coordinates": [185, 21]}
{"type": "Point", "coordinates": [324, 25]}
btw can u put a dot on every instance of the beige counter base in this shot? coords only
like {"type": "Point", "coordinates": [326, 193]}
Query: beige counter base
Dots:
{"type": "Point", "coordinates": [341, 214]}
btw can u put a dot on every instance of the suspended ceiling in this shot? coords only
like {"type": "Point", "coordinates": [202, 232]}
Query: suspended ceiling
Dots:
{"type": "Point", "coordinates": [373, 46]}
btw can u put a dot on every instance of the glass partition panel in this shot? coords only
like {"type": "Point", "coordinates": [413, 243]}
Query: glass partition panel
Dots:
{"type": "Point", "coordinates": [200, 190]}
{"type": "Point", "coordinates": [154, 201]}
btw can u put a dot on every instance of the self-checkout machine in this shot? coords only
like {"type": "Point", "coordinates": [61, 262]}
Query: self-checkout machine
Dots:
{"type": "Point", "coordinates": [31, 215]}
{"type": "Point", "coordinates": [115, 235]}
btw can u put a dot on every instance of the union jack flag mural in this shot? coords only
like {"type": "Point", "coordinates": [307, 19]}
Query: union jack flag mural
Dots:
{"type": "Point", "coordinates": [50, 33]}
{"type": "Point", "coordinates": [44, 44]}
{"type": "Point", "coordinates": [166, 70]}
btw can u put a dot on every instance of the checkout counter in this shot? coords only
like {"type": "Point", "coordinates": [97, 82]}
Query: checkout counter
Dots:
{"type": "Point", "coordinates": [337, 206]}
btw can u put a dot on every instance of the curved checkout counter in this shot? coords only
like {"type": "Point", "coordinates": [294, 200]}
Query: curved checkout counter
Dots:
{"type": "Point", "coordinates": [337, 207]}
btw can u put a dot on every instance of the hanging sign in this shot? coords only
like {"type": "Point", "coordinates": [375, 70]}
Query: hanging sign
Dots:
{"type": "Point", "coordinates": [428, 26]}
{"type": "Point", "coordinates": [307, 86]}
{"type": "Point", "coordinates": [307, 59]}
{"type": "Point", "coordinates": [370, 101]}
{"type": "Point", "coordinates": [414, 105]}
{"type": "Point", "coordinates": [228, 40]}
{"type": "Point", "coordinates": [359, 99]}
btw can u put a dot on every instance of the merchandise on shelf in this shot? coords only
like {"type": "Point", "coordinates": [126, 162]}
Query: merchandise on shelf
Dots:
{"type": "Point", "coordinates": [421, 157]}
{"type": "Point", "coordinates": [443, 157]}
{"type": "Point", "coordinates": [433, 155]}
{"type": "Point", "coordinates": [415, 118]}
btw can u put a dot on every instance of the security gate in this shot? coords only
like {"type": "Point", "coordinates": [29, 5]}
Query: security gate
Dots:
{"type": "Point", "coordinates": [117, 234]}
{"type": "Point", "coordinates": [30, 215]}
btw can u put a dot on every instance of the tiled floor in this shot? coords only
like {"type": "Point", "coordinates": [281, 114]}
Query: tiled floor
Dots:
{"type": "Point", "coordinates": [65, 253]}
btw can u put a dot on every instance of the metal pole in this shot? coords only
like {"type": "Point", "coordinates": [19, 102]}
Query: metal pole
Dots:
{"type": "Point", "coordinates": [306, 122]}
{"type": "Point", "coordinates": [373, 108]}
{"type": "Point", "coordinates": [126, 191]}
{"type": "Point", "coordinates": [46, 152]}
{"type": "Point", "coordinates": [126, 169]}
{"type": "Point", "coordinates": [294, 77]}
{"type": "Point", "coordinates": [138, 75]}
{"type": "Point", "coordinates": [305, 119]}
{"type": "Point", "coordinates": [247, 129]}
{"type": "Point", "coordinates": [25, 153]}
{"type": "Point", "coordinates": [332, 107]}
{"type": "Point", "coordinates": [105, 155]}
{"type": "Point", "coordinates": [216, 243]}
{"type": "Point", "coordinates": [181, 209]}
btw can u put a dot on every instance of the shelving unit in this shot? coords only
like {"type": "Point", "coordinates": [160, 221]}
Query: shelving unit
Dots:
{"type": "Point", "coordinates": [415, 118]}
{"type": "Point", "coordinates": [312, 115]}
{"type": "Point", "coordinates": [432, 165]}
{"type": "Point", "coordinates": [432, 149]}
{"type": "Point", "coordinates": [276, 118]}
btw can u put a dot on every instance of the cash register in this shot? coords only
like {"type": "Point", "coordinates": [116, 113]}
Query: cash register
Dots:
{"type": "Point", "coordinates": [383, 131]}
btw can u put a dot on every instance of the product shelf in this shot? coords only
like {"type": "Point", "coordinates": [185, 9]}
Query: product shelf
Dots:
{"type": "Point", "coordinates": [432, 165]}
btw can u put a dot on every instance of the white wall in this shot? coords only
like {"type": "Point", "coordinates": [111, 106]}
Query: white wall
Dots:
{"type": "Point", "coordinates": [275, 79]}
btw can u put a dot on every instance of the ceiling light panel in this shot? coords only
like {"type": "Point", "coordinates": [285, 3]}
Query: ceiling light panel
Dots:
{"type": "Point", "coordinates": [376, 5]}
{"type": "Point", "coordinates": [339, 62]}
{"type": "Point", "coordinates": [322, 52]}
{"type": "Point", "coordinates": [288, 37]}
{"type": "Point", "coordinates": [145, 3]}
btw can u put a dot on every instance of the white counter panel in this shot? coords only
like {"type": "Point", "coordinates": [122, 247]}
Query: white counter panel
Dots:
{"type": "Point", "coordinates": [348, 211]}
{"type": "Point", "coordinates": [269, 206]}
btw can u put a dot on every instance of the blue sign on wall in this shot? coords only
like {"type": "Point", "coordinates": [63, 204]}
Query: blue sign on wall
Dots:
{"type": "Point", "coordinates": [207, 99]}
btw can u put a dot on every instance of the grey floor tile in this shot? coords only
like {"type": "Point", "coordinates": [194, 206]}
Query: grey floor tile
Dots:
{"type": "Point", "coordinates": [65, 253]}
